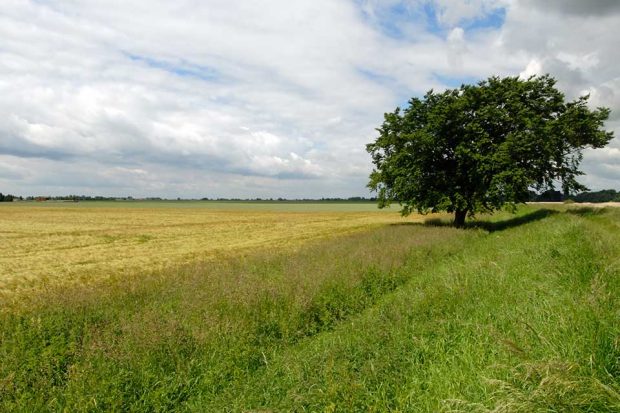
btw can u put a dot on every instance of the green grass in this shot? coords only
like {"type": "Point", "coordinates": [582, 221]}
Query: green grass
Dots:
{"type": "Point", "coordinates": [515, 314]}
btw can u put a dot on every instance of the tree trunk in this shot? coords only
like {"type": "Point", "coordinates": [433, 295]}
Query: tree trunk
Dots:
{"type": "Point", "coordinates": [459, 218]}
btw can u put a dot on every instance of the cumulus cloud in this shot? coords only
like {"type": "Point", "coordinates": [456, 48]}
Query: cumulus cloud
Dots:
{"type": "Point", "coordinates": [577, 7]}
{"type": "Point", "coordinates": [277, 98]}
{"type": "Point", "coordinates": [575, 42]}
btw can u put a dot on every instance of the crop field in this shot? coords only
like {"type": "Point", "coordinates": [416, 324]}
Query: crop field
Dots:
{"type": "Point", "coordinates": [311, 309]}
{"type": "Point", "coordinates": [47, 243]}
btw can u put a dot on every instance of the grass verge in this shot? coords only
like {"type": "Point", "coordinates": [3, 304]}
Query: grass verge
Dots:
{"type": "Point", "coordinates": [514, 317]}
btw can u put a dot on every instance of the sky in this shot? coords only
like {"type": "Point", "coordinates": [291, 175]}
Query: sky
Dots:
{"type": "Point", "coordinates": [270, 98]}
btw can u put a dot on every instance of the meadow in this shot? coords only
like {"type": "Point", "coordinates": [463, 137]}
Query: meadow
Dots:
{"type": "Point", "coordinates": [516, 313]}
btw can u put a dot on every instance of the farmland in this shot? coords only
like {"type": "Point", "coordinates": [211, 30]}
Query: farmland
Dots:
{"type": "Point", "coordinates": [48, 243]}
{"type": "Point", "coordinates": [364, 312]}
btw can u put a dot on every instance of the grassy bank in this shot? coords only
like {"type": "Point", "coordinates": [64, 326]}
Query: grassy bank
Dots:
{"type": "Point", "coordinates": [519, 314]}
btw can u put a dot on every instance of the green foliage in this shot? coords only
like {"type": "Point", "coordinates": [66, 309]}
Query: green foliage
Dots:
{"type": "Point", "coordinates": [517, 315]}
{"type": "Point", "coordinates": [6, 198]}
{"type": "Point", "coordinates": [606, 195]}
{"type": "Point", "coordinates": [479, 147]}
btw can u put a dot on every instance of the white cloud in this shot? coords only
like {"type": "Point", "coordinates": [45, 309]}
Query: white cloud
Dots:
{"type": "Point", "coordinates": [533, 68]}
{"type": "Point", "coordinates": [245, 98]}
{"type": "Point", "coordinates": [452, 12]}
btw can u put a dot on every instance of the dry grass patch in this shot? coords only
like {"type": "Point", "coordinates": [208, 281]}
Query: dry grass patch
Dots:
{"type": "Point", "coordinates": [45, 245]}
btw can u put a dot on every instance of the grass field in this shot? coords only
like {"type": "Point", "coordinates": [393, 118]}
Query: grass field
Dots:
{"type": "Point", "coordinates": [46, 243]}
{"type": "Point", "coordinates": [514, 314]}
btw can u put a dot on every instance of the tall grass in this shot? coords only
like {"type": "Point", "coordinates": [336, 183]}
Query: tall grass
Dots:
{"type": "Point", "coordinates": [515, 315]}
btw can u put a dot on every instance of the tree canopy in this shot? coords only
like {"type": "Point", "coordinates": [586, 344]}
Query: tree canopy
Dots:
{"type": "Point", "coordinates": [479, 147]}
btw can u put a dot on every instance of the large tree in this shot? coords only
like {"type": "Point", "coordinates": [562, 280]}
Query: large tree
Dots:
{"type": "Point", "coordinates": [480, 147]}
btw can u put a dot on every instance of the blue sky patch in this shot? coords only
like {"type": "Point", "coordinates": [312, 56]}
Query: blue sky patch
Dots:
{"type": "Point", "coordinates": [432, 22]}
{"type": "Point", "coordinates": [455, 81]}
{"type": "Point", "coordinates": [375, 77]}
{"type": "Point", "coordinates": [397, 19]}
{"type": "Point", "coordinates": [393, 20]}
{"type": "Point", "coordinates": [181, 69]}
{"type": "Point", "coordinates": [492, 20]}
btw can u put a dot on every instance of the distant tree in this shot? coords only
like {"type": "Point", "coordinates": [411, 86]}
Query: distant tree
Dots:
{"type": "Point", "coordinates": [6, 198]}
{"type": "Point", "coordinates": [480, 147]}
{"type": "Point", "coordinates": [606, 195]}
{"type": "Point", "coordinates": [550, 195]}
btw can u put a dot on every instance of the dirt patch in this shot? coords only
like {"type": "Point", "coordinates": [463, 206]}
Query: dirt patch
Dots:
{"type": "Point", "coordinates": [580, 204]}
{"type": "Point", "coordinates": [599, 204]}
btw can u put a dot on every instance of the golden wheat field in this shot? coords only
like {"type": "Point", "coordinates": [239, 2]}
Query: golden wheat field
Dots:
{"type": "Point", "coordinates": [45, 244]}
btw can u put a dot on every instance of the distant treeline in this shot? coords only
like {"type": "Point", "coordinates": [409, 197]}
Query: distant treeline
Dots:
{"type": "Point", "coordinates": [8, 197]}
{"type": "Point", "coordinates": [606, 195]}
{"type": "Point", "coordinates": [76, 198]}
{"type": "Point", "coordinates": [83, 198]}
